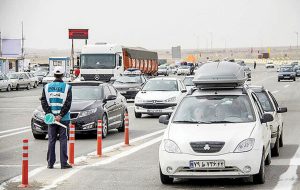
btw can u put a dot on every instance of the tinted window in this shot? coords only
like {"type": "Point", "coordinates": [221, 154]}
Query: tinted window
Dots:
{"type": "Point", "coordinates": [286, 69]}
{"type": "Point", "coordinates": [86, 93]}
{"type": "Point", "coordinates": [215, 109]}
{"type": "Point", "coordinates": [265, 101]}
{"type": "Point", "coordinates": [161, 85]}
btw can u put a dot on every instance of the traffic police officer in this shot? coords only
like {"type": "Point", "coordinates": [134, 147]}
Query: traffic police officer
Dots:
{"type": "Point", "coordinates": [57, 99]}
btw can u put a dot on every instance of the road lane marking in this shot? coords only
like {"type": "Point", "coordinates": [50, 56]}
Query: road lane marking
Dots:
{"type": "Point", "coordinates": [285, 86]}
{"type": "Point", "coordinates": [275, 91]}
{"type": "Point", "coordinates": [288, 178]}
{"type": "Point", "coordinates": [102, 162]}
{"type": "Point", "coordinates": [78, 159]}
{"type": "Point", "coordinates": [16, 129]}
{"type": "Point", "coordinates": [16, 133]}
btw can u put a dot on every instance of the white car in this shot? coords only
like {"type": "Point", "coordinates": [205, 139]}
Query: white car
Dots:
{"type": "Point", "coordinates": [270, 105]}
{"type": "Point", "coordinates": [20, 80]}
{"type": "Point", "coordinates": [158, 96]}
{"type": "Point", "coordinates": [270, 65]}
{"type": "Point", "coordinates": [34, 80]}
{"type": "Point", "coordinates": [216, 132]}
{"type": "Point", "coordinates": [188, 82]}
{"type": "Point", "coordinates": [50, 78]}
{"type": "Point", "coordinates": [184, 70]}
{"type": "Point", "coordinates": [5, 83]}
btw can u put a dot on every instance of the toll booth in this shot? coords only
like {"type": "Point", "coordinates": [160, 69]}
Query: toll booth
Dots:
{"type": "Point", "coordinates": [63, 62]}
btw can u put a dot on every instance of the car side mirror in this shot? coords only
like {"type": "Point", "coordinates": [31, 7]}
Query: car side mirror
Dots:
{"type": "Point", "coordinates": [266, 117]}
{"type": "Point", "coordinates": [282, 110]}
{"type": "Point", "coordinates": [164, 119]}
{"type": "Point", "coordinates": [183, 90]}
{"type": "Point", "coordinates": [109, 98]}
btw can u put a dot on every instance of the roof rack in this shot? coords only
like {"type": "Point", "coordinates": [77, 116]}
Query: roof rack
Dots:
{"type": "Point", "coordinates": [220, 75]}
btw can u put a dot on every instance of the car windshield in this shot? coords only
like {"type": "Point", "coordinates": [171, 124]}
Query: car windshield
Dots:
{"type": "Point", "coordinates": [128, 79]}
{"type": "Point", "coordinates": [98, 61]}
{"type": "Point", "coordinates": [286, 69]}
{"type": "Point", "coordinates": [188, 81]}
{"type": "Point", "coordinates": [161, 85]}
{"type": "Point", "coordinates": [13, 76]}
{"type": "Point", "coordinates": [184, 67]}
{"type": "Point", "coordinates": [40, 73]}
{"type": "Point", "coordinates": [215, 109]}
{"type": "Point", "coordinates": [86, 93]}
{"type": "Point", "coordinates": [265, 101]}
{"type": "Point", "coordinates": [162, 67]}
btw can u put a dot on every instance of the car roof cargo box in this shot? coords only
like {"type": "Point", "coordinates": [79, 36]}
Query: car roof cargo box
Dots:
{"type": "Point", "coordinates": [220, 75]}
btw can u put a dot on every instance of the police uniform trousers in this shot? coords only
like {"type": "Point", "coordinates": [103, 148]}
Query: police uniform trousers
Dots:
{"type": "Point", "coordinates": [53, 131]}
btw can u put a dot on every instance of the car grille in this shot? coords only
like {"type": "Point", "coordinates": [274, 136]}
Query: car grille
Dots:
{"type": "Point", "coordinates": [207, 147]}
{"type": "Point", "coordinates": [97, 77]}
{"type": "Point", "coordinates": [286, 75]}
{"type": "Point", "coordinates": [156, 106]}
{"type": "Point", "coordinates": [74, 115]}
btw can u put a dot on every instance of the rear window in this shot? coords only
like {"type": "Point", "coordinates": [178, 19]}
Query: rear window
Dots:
{"type": "Point", "coordinates": [265, 101]}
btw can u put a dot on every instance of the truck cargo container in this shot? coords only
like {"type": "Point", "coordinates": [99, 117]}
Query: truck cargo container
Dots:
{"type": "Point", "coordinates": [102, 61]}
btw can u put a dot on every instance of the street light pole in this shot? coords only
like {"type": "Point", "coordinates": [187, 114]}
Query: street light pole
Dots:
{"type": "Point", "coordinates": [297, 38]}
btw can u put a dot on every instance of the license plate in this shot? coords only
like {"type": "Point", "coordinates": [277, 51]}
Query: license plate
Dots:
{"type": "Point", "coordinates": [286, 77]}
{"type": "Point", "coordinates": [206, 164]}
{"type": "Point", "coordinates": [154, 111]}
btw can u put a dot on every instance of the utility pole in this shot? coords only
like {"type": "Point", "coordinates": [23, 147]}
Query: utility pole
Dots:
{"type": "Point", "coordinates": [297, 38]}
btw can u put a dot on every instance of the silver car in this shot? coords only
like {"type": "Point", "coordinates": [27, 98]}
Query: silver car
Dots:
{"type": "Point", "coordinates": [20, 80]}
{"type": "Point", "coordinates": [34, 80]}
{"type": "Point", "coordinates": [5, 83]}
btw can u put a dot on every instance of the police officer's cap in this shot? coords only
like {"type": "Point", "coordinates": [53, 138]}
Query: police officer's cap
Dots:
{"type": "Point", "coordinates": [58, 71]}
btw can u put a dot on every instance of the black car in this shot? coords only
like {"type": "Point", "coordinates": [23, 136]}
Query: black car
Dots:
{"type": "Point", "coordinates": [91, 101]}
{"type": "Point", "coordinates": [129, 85]}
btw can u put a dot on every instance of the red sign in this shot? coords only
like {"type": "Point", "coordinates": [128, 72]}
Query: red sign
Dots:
{"type": "Point", "coordinates": [78, 33]}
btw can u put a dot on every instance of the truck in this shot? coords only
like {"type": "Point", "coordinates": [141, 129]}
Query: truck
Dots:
{"type": "Point", "coordinates": [103, 61]}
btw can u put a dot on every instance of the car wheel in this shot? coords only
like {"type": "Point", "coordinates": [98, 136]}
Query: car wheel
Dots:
{"type": "Point", "coordinates": [275, 149]}
{"type": "Point", "coordinates": [39, 136]}
{"type": "Point", "coordinates": [122, 127]}
{"type": "Point", "coordinates": [18, 87]}
{"type": "Point", "coordinates": [268, 159]}
{"type": "Point", "coordinates": [260, 177]}
{"type": "Point", "coordinates": [164, 178]}
{"type": "Point", "coordinates": [28, 87]}
{"type": "Point", "coordinates": [35, 85]}
{"type": "Point", "coordinates": [137, 115]}
{"type": "Point", "coordinates": [278, 80]}
{"type": "Point", "coordinates": [281, 138]}
{"type": "Point", "coordinates": [104, 126]}
{"type": "Point", "coordinates": [294, 79]}
{"type": "Point", "coordinates": [8, 88]}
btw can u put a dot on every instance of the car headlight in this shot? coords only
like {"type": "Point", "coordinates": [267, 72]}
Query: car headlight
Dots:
{"type": "Point", "coordinates": [87, 112]}
{"type": "Point", "coordinates": [173, 99]}
{"type": "Point", "coordinates": [39, 114]}
{"type": "Point", "coordinates": [171, 146]}
{"type": "Point", "coordinates": [245, 146]}
{"type": "Point", "coordinates": [134, 89]}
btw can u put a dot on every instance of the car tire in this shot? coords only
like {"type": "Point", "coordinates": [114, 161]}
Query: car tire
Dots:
{"type": "Point", "coordinates": [275, 149]}
{"type": "Point", "coordinates": [28, 87]}
{"type": "Point", "coordinates": [39, 136]}
{"type": "Point", "coordinates": [281, 138]}
{"type": "Point", "coordinates": [35, 85]}
{"type": "Point", "coordinates": [260, 177]}
{"type": "Point", "coordinates": [8, 89]}
{"type": "Point", "coordinates": [294, 79]}
{"type": "Point", "coordinates": [166, 180]}
{"type": "Point", "coordinates": [137, 115]}
{"type": "Point", "coordinates": [104, 126]}
{"type": "Point", "coordinates": [278, 80]}
{"type": "Point", "coordinates": [122, 127]}
{"type": "Point", "coordinates": [268, 158]}
{"type": "Point", "coordinates": [18, 87]}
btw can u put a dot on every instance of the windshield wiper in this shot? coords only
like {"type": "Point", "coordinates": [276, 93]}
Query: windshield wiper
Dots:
{"type": "Point", "coordinates": [222, 122]}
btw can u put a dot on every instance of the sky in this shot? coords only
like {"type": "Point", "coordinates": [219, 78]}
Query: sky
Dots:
{"type": "Point", "coordinates": [153, 24]}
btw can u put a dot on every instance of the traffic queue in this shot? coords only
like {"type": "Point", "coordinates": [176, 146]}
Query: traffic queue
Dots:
{"type": "Point", "coordinates": [239, 126]}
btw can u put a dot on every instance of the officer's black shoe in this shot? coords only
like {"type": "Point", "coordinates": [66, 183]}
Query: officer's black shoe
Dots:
{"type": "Point", "coordinates": [67, 166]}
{"type": "Point", "coordinates": [50, 167]}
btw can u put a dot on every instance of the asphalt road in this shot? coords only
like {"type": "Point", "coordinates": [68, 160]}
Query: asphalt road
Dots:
{"type": "Point", "coordinates": [134, 167]}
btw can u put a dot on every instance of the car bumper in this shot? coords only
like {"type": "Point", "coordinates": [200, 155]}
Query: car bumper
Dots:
{"type": "Point", "coordinates": [84, 125]}
{"type": "Point", "coordinates": [234, 165]}
{"type": "Point", "coordinates": [161, 109]}
{"type": "Point", "coordinates": [290, 77]}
